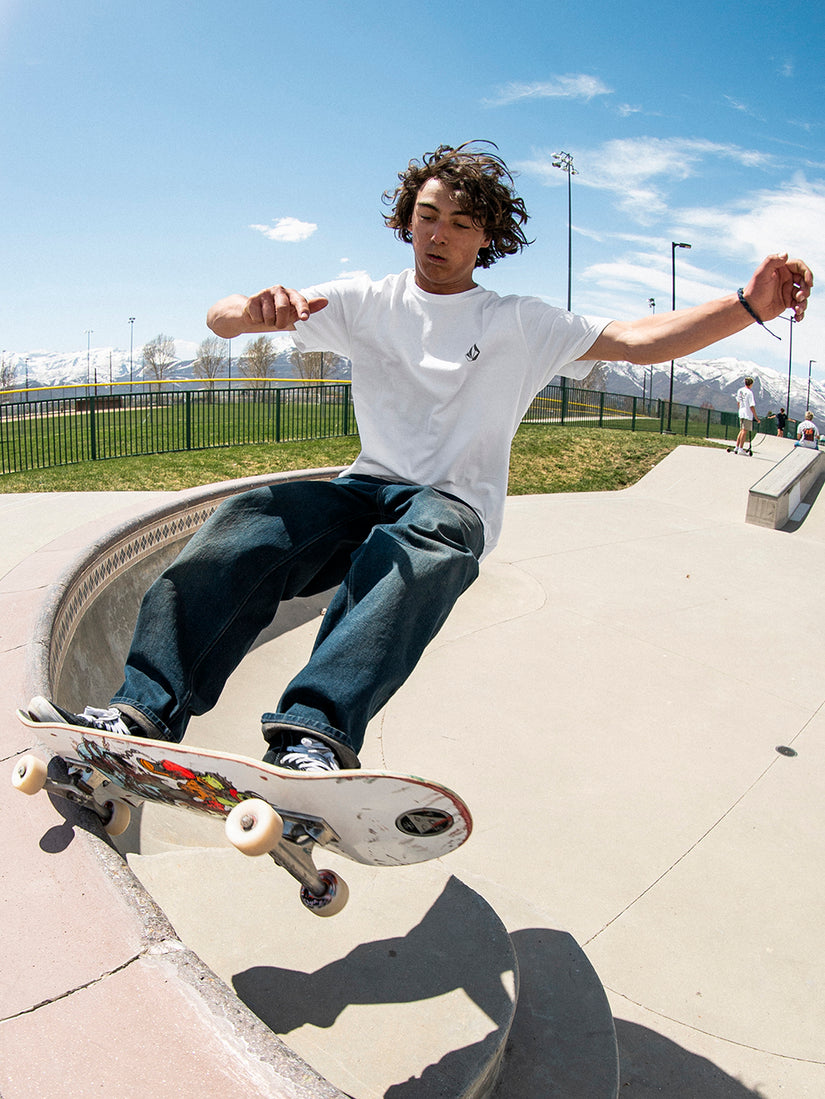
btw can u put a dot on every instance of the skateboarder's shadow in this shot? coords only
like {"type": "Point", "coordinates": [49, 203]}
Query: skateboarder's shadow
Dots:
{"type": "Point", "coordinates": [457, 945]}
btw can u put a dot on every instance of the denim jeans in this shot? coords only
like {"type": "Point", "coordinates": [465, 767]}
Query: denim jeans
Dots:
{"type": "Point", "coordinates": [402, 555]}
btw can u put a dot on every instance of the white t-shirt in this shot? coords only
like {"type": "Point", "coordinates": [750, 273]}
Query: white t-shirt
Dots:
{"type": "Point", "coordinates": [744, 398]}
{"type": "Point", "coordinates": [440, 382]}
{"type": "Point", "coordinates": [808, 433]}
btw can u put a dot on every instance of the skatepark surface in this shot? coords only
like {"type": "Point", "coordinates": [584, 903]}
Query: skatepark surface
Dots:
{"type": "Point", "coordinates": [631, 703]}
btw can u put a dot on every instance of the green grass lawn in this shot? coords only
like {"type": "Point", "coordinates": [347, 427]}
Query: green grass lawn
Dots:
{"type": "Point", "coordinates": [543, 459]}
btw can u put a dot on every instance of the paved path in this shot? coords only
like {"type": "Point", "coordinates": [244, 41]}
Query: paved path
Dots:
{"type": "Point", "coordinates": [609, 700]}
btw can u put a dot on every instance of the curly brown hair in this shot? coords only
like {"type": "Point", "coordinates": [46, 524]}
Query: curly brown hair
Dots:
{"type": "Point", "coordinates": [480, 182]}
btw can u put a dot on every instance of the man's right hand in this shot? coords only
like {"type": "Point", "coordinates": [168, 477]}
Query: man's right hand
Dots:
{"type": "Point", "coordinates": [278, 309]}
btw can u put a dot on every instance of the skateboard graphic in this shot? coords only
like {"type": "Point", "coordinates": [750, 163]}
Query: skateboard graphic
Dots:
{"type": "Point", "coordinates": [371, 817]}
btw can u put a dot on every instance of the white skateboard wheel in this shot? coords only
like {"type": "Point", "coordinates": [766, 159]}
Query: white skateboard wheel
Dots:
{"type": "Point", "coordinates": [29, 775]}
{"type": "Point", "coordinates": [254, 827]}
{"type": "Point", "coordinates": [119, 816]}
{"type": "Point", "coordinates": [332, 900]}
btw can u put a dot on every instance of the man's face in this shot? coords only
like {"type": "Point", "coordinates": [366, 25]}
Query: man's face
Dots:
{"type": "Point", "coordinates": [445, 240]}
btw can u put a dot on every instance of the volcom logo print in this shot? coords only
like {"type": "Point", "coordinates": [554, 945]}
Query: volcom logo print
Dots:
{"type": "Point", "coordinates": [473, 353]}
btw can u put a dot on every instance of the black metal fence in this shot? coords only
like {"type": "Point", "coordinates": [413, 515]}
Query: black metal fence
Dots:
{"type": "Point", "coordinates": [36, 434]}
{"type": "Point", "coordinates": [56, 431]}
{"type": "Point", "coordinates": [556, 404]}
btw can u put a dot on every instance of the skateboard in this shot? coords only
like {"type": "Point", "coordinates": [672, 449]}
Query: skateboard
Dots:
{"type": "Point", "coordinates": [755, 439]}
{"type": "Point", "coordinates": [371, 817]}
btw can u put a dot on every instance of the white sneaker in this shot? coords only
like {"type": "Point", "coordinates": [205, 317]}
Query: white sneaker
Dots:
{"type": "Point", "coordinates": [106, 721]}
{"type": "Point", "coordinates": [309, 755]}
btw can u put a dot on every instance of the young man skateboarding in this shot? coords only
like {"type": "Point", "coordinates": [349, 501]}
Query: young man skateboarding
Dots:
{"type": "Point", "coordinates": [747, 415]}
{"type": "Point", "coordinates": [442, 373]}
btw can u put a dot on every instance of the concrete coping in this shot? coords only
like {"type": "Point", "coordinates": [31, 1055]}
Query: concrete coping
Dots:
{"type": "Point", "coordinates": [104, 560]}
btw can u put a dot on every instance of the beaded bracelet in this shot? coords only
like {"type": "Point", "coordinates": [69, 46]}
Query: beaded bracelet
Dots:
{"type": "Point", "coordinates": [749, 309]}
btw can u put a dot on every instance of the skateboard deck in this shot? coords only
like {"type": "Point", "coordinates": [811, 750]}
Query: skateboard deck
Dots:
{"type": "Point", "coordinates": [371, 817]}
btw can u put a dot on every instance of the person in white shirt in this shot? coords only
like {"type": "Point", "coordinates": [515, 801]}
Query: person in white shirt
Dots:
{"type": "Point", "coordinates": [442, 373]}
{"type": "Point", "coordinates": [747, 415]}
{"type": "Point", "coordinates": [807, 433]}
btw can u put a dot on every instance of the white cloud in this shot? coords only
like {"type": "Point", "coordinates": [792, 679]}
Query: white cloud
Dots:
{"type": "Point", "coordinates": [728, 242]}
{"type": "Point", "coordinates": [287, 230]}
{"type": "Point", "coordinates": [638, 170]}
{"type": "Point", "coordinates": [743, 108]}
{"type": "Point", "coordinates": [571, 86]}
{"type": "Point", "coordinates": [760, 223]}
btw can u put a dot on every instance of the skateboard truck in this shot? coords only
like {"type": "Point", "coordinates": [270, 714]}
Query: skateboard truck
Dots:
{"type": "Point", "coordinates": [253, 826]}
{"type": "Point", "coordinates": [74, 784]}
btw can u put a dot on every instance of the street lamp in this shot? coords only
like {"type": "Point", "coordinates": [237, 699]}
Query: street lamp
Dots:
{"type": "Point", "coordinates": [790, 321]}
{"type": "Point", "coordinates": [808, 398]}
{"type": "Point", "coordinates": [673, 247]}
{"type": "Point", "coordinates": [131, 349]}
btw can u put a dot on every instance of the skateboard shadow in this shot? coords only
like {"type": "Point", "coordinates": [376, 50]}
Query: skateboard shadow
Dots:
{"type": "Point", "coordinates": [450, 949]}
{"type": "Point", "coordinates": [458, 945]}
{"type": "Point", "coordinates": [561, 1038]}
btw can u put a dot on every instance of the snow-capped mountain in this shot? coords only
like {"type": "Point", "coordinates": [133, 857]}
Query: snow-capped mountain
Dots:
{"type": "Point", "coordinates": [699, 382]}
{"type": "Point", "coordinates": [712, 383]}
{"type": "Point", "coordinates": [107, 365]}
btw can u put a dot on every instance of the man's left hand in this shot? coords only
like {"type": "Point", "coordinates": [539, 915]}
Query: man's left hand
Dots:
{"type": "Point", "coordinates": [779, 284]}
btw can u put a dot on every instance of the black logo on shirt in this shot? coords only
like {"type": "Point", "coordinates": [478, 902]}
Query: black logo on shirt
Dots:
{"type": "Point", "coordinates": [473, 353]}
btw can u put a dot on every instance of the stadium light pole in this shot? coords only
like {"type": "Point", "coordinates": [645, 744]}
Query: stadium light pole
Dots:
{"type": "Point", "coordinates": [808, 398]}
{"type": "Point", "coordinates": [673, 247]}
{"type": "Point", "coordinates": [564, 161]}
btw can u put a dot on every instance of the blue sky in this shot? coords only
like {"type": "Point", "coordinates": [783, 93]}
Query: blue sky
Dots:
{"type": "Point", "coordinates": [157, 156]}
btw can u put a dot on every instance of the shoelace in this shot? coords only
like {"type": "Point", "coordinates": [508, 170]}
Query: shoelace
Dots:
{"type": "Point", "coordinates": [111, 720]}
{"type": "Point", "coordinates": [309, 755]}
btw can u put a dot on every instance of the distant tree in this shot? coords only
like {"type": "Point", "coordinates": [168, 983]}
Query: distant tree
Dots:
{"type": "Point", "coordinates": [6, 378]}
{"type": "Point", "coordinates": [158, 357]}
{"type": "Point", "coordinates": [211, 361]}
{"type": "Point", "coordinates": [258, 361]}
{"type": "Point", "coordinates": [314, 365]}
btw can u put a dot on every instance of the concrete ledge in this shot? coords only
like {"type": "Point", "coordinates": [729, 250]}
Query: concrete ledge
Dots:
{"type": "Point", "coordinates": [775, 497]}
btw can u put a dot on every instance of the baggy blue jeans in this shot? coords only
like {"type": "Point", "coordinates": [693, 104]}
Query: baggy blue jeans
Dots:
{"type": "Point", "coordinates": [401, 555]}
